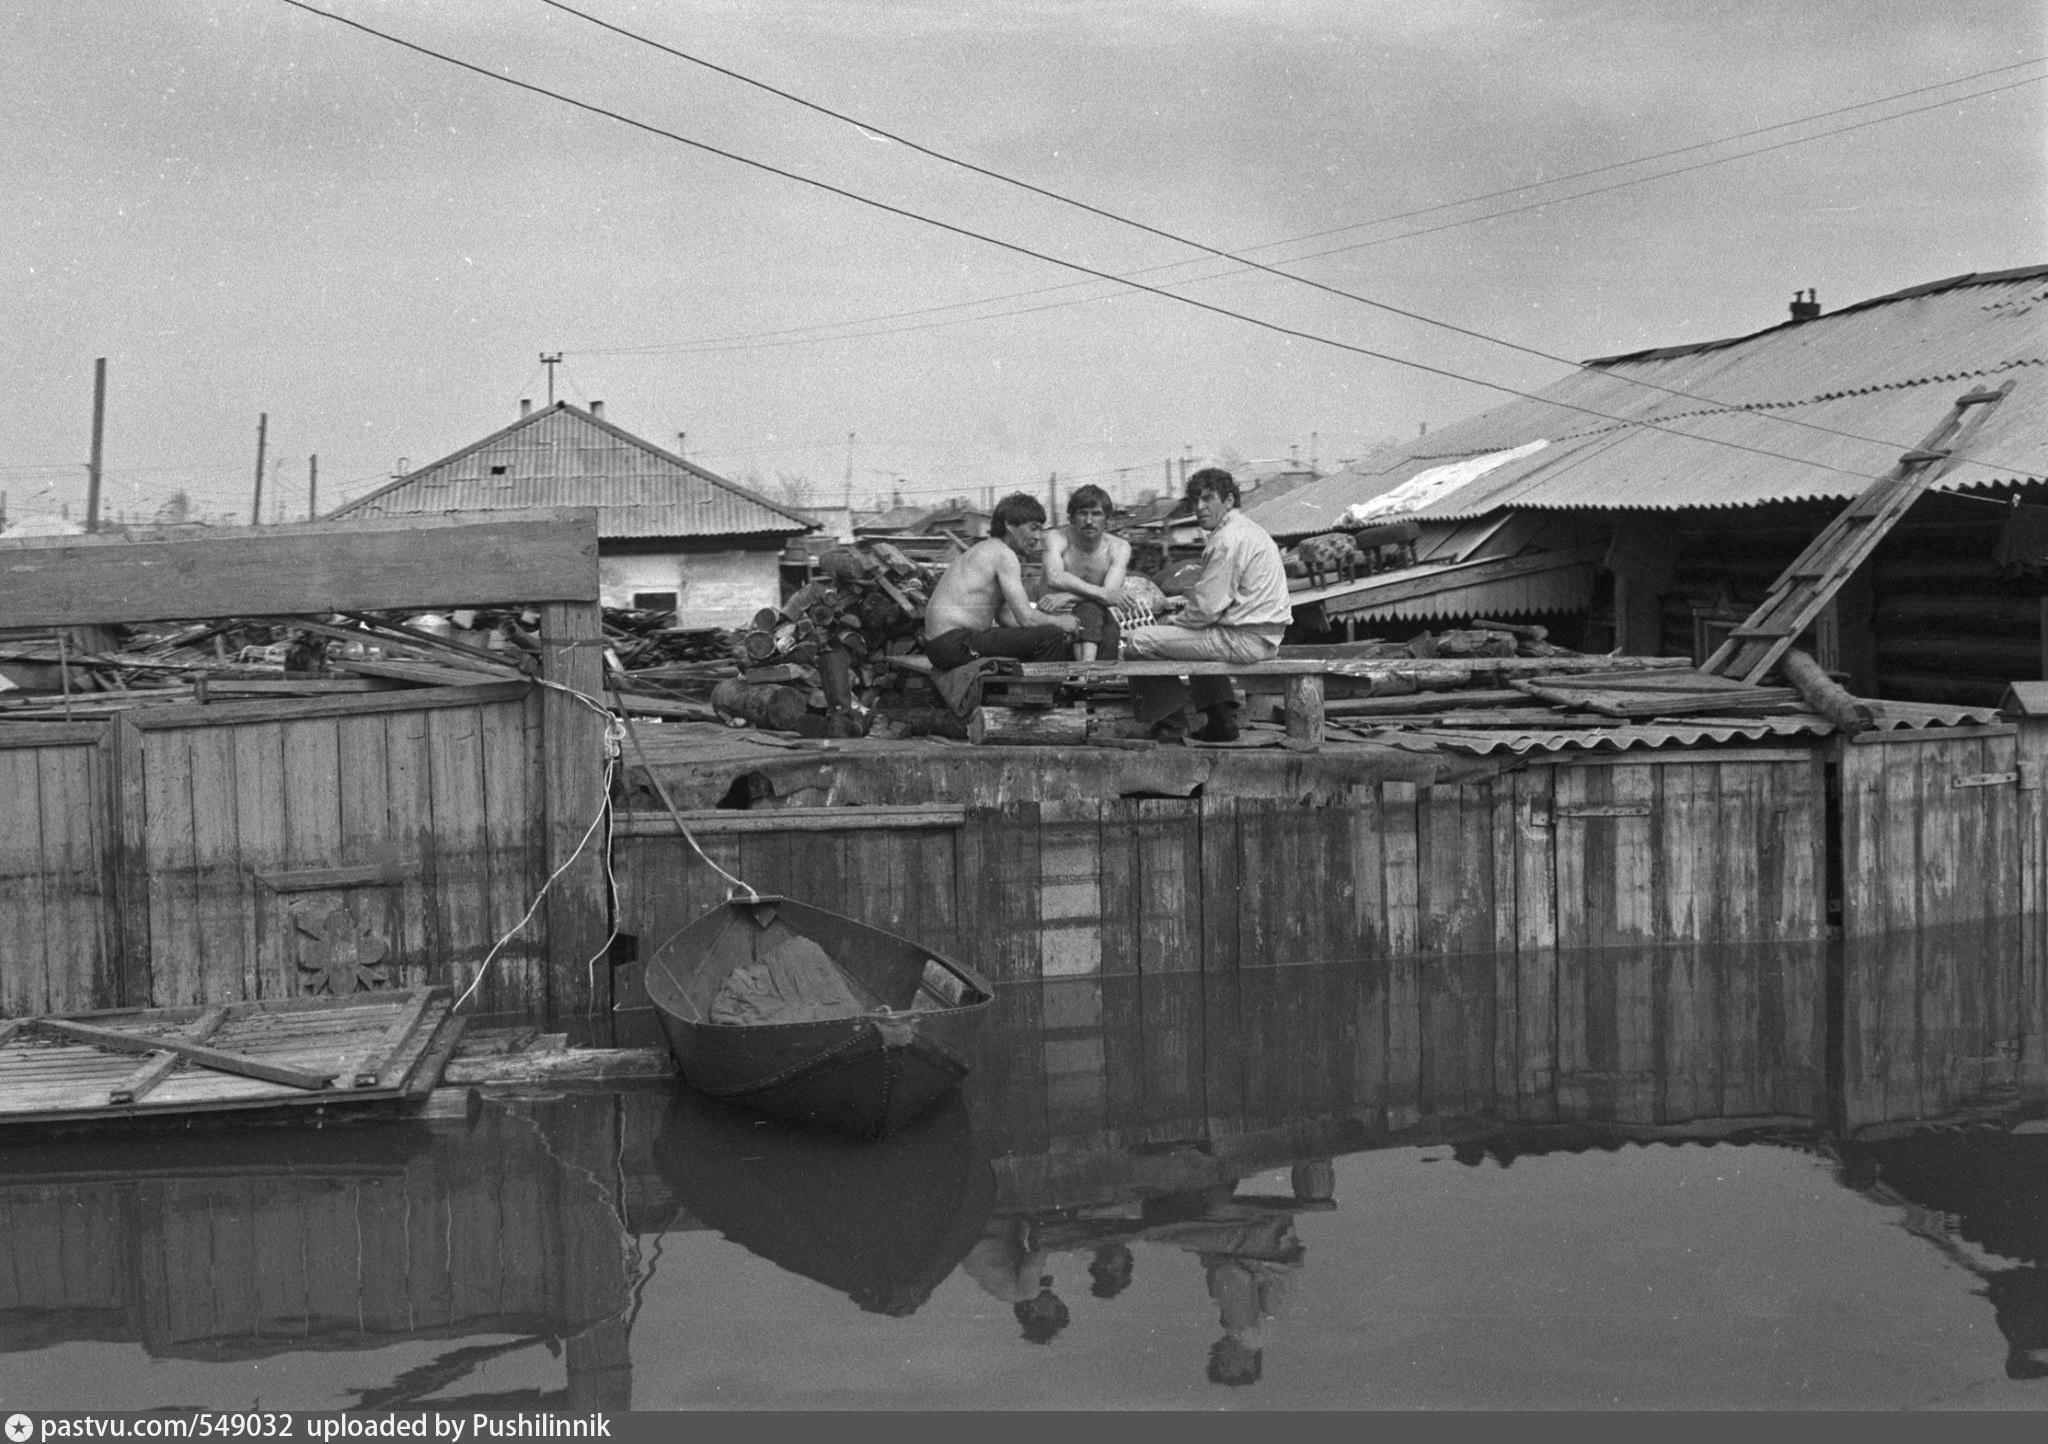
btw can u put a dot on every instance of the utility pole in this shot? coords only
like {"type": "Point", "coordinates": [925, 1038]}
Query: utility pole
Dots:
{"type": "Point", "coordinates": [262, 436]}
{"type": "Point", "coordinates": [849, 478]}
{"type": "Point", "coordinates": [1052, 497]}
{"type": "Point", "coordinates": [99, 421]}
{"type": "Point", "coordinates": [313, 487]}
{"type": "Point", "coordinates": [1312, 449]}
{"type": "Point", "coordinates": [277, 490]}
{"type": "Point", "coordinates": [551, 362]}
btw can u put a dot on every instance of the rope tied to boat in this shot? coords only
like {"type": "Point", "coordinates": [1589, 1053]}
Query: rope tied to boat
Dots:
{"type": "Point", "coordinates": [741, 890]}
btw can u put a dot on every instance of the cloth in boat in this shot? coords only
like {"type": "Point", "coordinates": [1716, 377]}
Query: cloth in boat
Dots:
{"type": "Point", "coordinates": [792, 981]}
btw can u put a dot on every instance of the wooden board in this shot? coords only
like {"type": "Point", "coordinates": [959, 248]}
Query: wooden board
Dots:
{"type": "Point", "coordinates": [47, 1077]}
{"type": "Point", "coordinates": [317, 567]}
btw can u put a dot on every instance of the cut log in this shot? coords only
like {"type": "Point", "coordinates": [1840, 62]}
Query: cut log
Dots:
{"type": "Point", "coordinates": [779, 708]}
{"type": "Point", "coordinates": [1305, 709]}
{"type": "Point", "coordinates": [1825, 695]}
{"type": "Point", "coordinates": [1028, 727]}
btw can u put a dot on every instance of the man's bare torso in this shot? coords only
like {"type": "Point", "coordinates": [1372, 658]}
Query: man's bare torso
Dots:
{"type": "Point", "coordinates": [1091, 567]}
{"type": "Point", "coordinates": [970, 594]}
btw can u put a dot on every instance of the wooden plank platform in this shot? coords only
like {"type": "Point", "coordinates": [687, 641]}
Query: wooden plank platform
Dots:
{"type": "Point", "coordinates": [362, 1048]}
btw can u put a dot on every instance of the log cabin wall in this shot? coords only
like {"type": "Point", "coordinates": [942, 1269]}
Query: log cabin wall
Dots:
{"type": "Point", "coordinates": [1929, 618]}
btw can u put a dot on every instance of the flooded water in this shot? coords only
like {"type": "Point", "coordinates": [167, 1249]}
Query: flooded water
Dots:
{"type": "Point", "coordinates": [1153, 1195]}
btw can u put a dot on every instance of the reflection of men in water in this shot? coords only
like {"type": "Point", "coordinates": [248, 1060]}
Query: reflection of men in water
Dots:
{"type": "Point", "coordinates": [1110, 1270]}
{"type": "Point", "coordinates": [1247, 1292]}
{"type": "Point", "coordinates": [1250, 1256]}
{"type": "Point", "coordinates": [1010, 1267]}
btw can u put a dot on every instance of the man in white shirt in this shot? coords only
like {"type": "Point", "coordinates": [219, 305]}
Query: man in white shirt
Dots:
{"type": "Point", "coordinates": [1237, 612]}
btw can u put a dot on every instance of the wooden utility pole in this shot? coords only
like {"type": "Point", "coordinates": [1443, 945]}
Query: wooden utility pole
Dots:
{"type": "Point", "coordinates": [262, 435]}
{"type": "Point", "coordinates": [551, 362]}
{"type": "Point", "coordinates": [1052, 497]}
{"type": "Point", "coordinates": [99, 421]}
{"type": "Point", "coordinates": [313, 487]}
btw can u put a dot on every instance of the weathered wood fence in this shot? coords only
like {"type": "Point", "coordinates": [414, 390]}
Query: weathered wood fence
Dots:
{"type": "Point", "coordinates": [161, 856]}
{"type": "Point", "coordinates": [1637, 936]}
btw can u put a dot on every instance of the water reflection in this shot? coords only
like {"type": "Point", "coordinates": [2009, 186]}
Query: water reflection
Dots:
{"type": "Point", "coordinates": [1160, 1191]}
{"type": "Point", "coordinates": [882, 1222]}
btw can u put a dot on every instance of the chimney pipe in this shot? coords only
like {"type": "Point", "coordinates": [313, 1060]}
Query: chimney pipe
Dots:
{"type": "Point", "coordinates": [597, 409]}
{"type": "Point", "coordinates": [526, 406]}
{"type": "Point", "coordinates": [1806, 309]}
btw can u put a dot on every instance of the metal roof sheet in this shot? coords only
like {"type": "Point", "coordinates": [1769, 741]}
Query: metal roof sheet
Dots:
{"type": "Point", "coordinates": [564, 456]}
{"type": "Point", "coordinates": [1884, 372]}
{"type": "Point", "coordinates": [1891, 716]}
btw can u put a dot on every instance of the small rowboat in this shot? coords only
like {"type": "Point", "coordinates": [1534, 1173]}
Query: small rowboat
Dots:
{"type": "Point", "coordinates": [811, 1016]}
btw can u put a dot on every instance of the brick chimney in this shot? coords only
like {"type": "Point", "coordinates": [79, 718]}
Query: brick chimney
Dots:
{"type": "Point", "coordinates": [1807, 309]}
{"type": "Point", "coordinates": [597, 409]}
{"type": "Point", "coordinates": [526, 406]}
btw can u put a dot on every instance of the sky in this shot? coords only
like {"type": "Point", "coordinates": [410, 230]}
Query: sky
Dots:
{"type": "Point", "coordinates": [250, 210]}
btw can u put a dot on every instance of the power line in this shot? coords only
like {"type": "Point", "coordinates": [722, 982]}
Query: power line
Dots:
{"type": "Point", "coordinates": [935, 154]}
{"type": "Point", "coordinates": [1217, 253]}
{"type": "Point", "coordinates": [1023, 250]}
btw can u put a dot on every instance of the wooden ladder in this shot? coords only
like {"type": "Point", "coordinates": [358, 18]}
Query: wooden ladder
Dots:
{"type": "Point", "coordinates": [1844, 544]}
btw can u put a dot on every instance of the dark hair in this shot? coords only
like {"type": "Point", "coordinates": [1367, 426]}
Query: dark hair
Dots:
{"type": "Point", "coordinates": [1090, 495]}
{"type": "Point", "coordinates": [1013, 509]}
{"type": "Point", "coordinates": [1216, 479]}
{"type": "Point", "coordinates": [1042, 1317]}
{"type": "Point", "coordinates": [1234, 1365]}
{"type": "Point", "coordinates": [1111, 1270]}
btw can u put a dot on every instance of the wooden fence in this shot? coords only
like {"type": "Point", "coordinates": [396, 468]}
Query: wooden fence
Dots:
{"type": "Point", "coordinates": [173, 855]}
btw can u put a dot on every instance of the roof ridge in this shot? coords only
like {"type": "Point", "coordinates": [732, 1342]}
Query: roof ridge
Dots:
{"type": "Point", "coordinates": [1926, 288]}
{"type": "Point", "coordinates": [610, 428]}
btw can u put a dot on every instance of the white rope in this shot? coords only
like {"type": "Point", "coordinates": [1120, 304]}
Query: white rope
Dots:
{"type": "Point", "coordinates": [632, 732]}
{"type": "Point", "coordinates": [613, 736]}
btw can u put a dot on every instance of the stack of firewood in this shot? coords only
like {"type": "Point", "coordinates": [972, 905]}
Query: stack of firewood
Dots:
{"type": "Point", "coordinates": [816, 663]}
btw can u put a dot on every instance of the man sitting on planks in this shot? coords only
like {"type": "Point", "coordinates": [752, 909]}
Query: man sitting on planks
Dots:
{"type": "Point", "coordinates": [1085, 565]}
{"type": "Point", "coordinates": [979, 608]}
{"type": "Point", "coordinates": [1236, 612]}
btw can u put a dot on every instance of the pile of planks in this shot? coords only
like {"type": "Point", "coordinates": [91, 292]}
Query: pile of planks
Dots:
{"type": "Point", "coordinates": [815, 665]}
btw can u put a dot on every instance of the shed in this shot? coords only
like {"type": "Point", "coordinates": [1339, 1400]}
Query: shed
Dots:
{"type": "Point", "coordinates": [1657, 495]}
{"type": "Point", "coordinates": [671, 535]}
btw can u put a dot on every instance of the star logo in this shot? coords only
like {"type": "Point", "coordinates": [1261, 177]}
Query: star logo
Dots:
{"type": "Point", "coordinates": [20, 1427]}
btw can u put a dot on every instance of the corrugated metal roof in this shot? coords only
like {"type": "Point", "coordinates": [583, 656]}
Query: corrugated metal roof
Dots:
{"type": "Point", "coordinates": [564, 456]}
{"type": "Point", "coordinates": [1886, 369]}
{"type": "Point", "coordinates": [1891, 716]}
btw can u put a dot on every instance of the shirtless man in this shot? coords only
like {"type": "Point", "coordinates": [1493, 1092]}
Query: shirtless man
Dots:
{"type": "Point", "coordinates": [1084, 572]}
{"type": "Point", "coordinates": [979, 608]}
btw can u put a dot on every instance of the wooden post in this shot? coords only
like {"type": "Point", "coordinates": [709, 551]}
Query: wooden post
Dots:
{"type": "Point", "coordinates": [573, 743]}
{"type": "Point", "coordinates": [262, 435]}
{"type": "Point", "coordinates": [99, 419]}
{"type": "Point", "coordinates": [1305, 708]}
{"type": "Point", "coordinates": [313, 487]}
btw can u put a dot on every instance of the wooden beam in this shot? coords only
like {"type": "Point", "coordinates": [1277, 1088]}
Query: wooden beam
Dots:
{"type": "Point", "coordinates": [443, 561]}
{"type": "Point", "coordinates": [137, 1084]}
{"type": "Point", "coordinates": [350, 704]}
{"type": "Point", "coordinates": [722, 822]}
{"type": "Point", "coordinates": [573, 761]}
{"type": "Point", "coordinates": [1354, 667]}
{"type": "Point", "coordinates": [370, 1068]}
{"type": "Point", "coordinates": [206, 1057]}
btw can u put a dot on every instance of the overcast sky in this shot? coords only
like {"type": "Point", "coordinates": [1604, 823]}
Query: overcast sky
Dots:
{"type": "Point", "coordinates": [246, 208]}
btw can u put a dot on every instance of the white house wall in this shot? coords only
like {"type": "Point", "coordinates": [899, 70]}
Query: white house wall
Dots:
{"type": "Point", "coordinates": [713, 589]}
